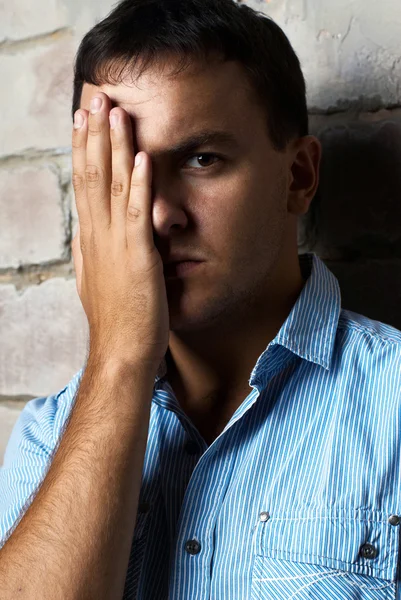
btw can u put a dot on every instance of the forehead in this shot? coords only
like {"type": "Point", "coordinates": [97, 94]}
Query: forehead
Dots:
{"type": "Point", "coordinates": [218, 94]}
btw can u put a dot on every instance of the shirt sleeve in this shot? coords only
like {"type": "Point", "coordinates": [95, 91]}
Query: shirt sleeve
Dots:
{"type": "Point", "coordinates": [29, 452]}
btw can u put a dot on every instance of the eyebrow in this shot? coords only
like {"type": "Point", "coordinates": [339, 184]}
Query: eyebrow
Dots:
{"type": "Point", "coordinates": [201, 138]}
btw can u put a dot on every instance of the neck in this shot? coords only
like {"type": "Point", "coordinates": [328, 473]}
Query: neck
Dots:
{"type": "Point", "coordinates": [222, 357]}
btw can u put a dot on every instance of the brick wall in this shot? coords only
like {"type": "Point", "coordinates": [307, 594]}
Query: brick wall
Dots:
{"type": "Point", "coordinates": [351, 57]}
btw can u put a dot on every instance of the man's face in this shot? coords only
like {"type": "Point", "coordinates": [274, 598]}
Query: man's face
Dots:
{"type": "Point", "coordinates": [224, 201]}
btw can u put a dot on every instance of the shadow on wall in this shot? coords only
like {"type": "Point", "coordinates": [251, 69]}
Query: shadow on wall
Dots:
{"type": "Point", "coordinates": [354, 223]}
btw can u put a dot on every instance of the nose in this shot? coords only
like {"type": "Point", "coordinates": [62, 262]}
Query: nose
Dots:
{"type": "Point", "coordinates": [168, 214]}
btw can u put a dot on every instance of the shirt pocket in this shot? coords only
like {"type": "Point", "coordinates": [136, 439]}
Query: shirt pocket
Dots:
{"type": "Point", "coordinates": [341, 554]}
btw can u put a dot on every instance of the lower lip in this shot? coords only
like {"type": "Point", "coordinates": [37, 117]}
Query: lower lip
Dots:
{"type": "Point", "coordinates": [180, 269]}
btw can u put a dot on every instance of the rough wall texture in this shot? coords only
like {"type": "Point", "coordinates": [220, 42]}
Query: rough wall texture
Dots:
{"type": "Point", "coordinates": [350, 52]}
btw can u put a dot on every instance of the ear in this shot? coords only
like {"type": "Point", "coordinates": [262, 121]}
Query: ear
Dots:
{"type": "Point", "coordinates": [304, 163]}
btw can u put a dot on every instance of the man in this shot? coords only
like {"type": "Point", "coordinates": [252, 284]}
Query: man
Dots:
{"type": "Point", "coordinates": [234, 433]}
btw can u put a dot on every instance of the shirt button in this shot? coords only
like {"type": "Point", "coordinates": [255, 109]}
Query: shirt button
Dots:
{"type": "Point", "coordinates": [192, 448]}
{"type": "Point", "coordinates": [394, 520]}
{"type": "Point", "coordinates": [264, 516]}
{"type": "Point", "coordinates": [368, 551]}
{"type": "Point", "coordinates": [192, 547]}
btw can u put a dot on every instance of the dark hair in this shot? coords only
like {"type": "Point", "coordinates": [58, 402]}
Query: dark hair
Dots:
{"type": "Point", "coordinates": [138, 33]}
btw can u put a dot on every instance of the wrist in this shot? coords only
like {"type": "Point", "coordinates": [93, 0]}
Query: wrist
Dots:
{"type": "Point", "coordinates": [113, 367]}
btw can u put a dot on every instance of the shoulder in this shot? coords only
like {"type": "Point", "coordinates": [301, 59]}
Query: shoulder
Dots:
{"type": "Point", "coordinates": [363, 327]}
{"type": "Point", "coordinates": [367, 340]}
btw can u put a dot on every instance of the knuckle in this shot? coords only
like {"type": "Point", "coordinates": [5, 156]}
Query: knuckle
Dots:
{"type": "Point", "coordinates": [117, 143]}
{"type": "Point", "coordinates": [93, 176]}
{"type": "Point", "coordinates": [77, 141]}
{"type": "Point", "coordinates": [94, 128]}
{"type": "Point", "coordinates": [136, 183]}
{"type": "Point", "coordinates": [78, 182]}
{"type": "Point", "coordinates": [117, 188]}
{"type": "Point", "coordinates": [133, 213]}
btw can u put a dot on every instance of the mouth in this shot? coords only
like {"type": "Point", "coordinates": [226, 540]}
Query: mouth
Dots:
{"type": "Point", "coordinates": [180, 269]}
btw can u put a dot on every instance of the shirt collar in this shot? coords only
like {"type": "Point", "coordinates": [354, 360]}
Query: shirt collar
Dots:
{"type": "Point", "coordinates": [310, 329]}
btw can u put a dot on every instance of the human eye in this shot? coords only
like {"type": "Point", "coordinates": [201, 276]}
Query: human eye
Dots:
{"type": "Point", "coordinates": [204, 157]}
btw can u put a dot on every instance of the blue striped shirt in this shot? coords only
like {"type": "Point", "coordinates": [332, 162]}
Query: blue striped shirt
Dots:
{"type": "Point", "coordinates": [297, 498]}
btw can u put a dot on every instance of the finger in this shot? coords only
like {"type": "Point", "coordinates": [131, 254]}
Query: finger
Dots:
{"type": "Point", "coordinates": [139, 212]}
{"type": "Point", "coordinates": [122, 151]}
{"type": "Point", "coordinates": [78, 258]}
{"type": "Point", "coordinates": [79, 140]}
{"type": "Point", "coordinates": [98, 163]}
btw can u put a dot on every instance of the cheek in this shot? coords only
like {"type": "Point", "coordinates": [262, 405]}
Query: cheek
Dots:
{"type": "Point", "coordinates": [232, 211]}
{"type": "Point", "coordinates": [226, 197]}
{"type": "Point", "coordinates": [222, 206]}
{"type": "Point", "coordinates": [227, 221]}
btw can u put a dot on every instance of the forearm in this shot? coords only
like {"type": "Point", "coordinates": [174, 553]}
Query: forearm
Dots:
{"type": "Point", "coordinates": [74, 540]}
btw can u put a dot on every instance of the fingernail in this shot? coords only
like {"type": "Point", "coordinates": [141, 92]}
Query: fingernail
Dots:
{"type": "Point", "coordinates": [138, 159]}
{"type": "Point", "coordinates": [96, 105]}
{"type": "Point", "coordinates": [113, 121]}
{"type": "Point", "coordinates": [78, 120]}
